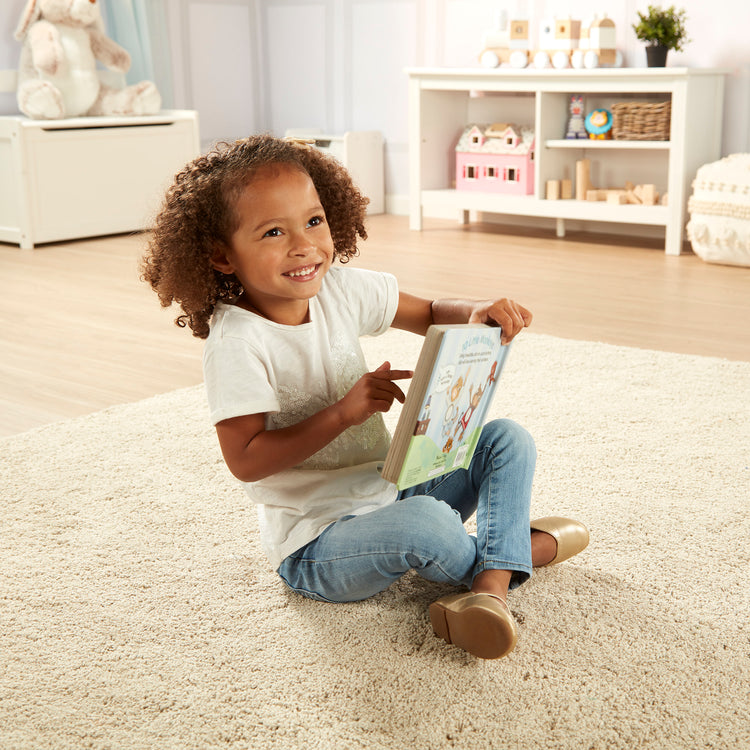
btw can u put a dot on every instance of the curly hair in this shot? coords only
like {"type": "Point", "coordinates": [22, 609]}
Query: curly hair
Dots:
{"type": "Point", "coordinates": [198, 216]}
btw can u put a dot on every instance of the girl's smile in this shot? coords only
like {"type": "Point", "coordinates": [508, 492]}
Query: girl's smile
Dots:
{"type": "Point", "coordinates": [282, 247]}
{"type": "Point", "coordinates": [307, 273]}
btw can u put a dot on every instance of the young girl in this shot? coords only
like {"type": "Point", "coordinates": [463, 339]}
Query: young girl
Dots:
{"type": "Point", "coordinates": [245, 243]}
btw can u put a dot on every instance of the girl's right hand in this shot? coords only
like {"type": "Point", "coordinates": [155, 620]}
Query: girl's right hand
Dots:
{"type": "Point", "coordinates": [372, 393]}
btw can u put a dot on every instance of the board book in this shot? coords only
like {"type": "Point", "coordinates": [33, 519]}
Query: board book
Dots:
{"type": "Point", "coordinates": [453, 385]}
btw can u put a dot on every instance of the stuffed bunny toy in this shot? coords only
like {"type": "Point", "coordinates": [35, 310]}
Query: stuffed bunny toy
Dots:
{"type": "Point", "coordinates": [57, 76]}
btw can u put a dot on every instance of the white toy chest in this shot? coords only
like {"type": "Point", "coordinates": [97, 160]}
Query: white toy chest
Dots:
{"type": "Point", "coordinates": [88, 176]}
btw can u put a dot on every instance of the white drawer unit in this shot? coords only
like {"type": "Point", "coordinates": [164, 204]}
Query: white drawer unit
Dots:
{"type": "Point", "coordinates": [361, 152]}
{"type": "Point", "coordinates": [88, 176]}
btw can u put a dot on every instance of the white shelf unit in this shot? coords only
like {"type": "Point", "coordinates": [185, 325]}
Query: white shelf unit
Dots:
{"type": "Point", "coordinates": [443, 101]}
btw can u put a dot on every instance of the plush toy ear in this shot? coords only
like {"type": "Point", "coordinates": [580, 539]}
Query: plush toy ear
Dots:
{"type": "Point", "coordinates": [30, 14]}
{"type": "Point", "coordinates": [98, 22]}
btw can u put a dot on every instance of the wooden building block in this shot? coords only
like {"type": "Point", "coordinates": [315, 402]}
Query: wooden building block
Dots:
{"type": "Point", "coordinates": [632, 197]}
{"type": "Point", "coordinates": [648, 195]}
{"type": "Point", "coordinates": [617, 197]}
{"type": "Point", "coordinates": [566, 189]}
{"type": "Point", "coordinates": [602, 194]}
{"type": "Point", "coordinates": [583, 179]}
{"type": "Point", "coordinates": [553, 190]}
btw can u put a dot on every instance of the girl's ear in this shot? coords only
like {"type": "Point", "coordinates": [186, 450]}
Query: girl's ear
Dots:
{"type": "Point", "coordinates": [220, 261]}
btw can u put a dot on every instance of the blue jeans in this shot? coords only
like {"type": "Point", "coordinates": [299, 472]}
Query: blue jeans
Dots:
{"type": "Point", "coordinates": [359, 556]}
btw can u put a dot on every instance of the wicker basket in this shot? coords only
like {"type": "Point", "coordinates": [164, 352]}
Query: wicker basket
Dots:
{"type": "Point", "coordinates": [641, 121]}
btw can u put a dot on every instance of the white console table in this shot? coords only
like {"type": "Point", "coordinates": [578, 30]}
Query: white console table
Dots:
{"type": "Point", "coordinates": [88, 176]}
{"type": "Point", "coordinates": [443, 101]}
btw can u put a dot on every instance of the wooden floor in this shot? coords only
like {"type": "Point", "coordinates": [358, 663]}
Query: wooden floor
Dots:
{"type": "Point", "coordinates": [80, 332]}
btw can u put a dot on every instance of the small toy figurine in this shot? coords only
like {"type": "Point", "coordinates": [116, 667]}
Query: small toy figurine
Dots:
{"type": "Point", "coordinates": [599, 124]}
{"type": "Point", "coordinates": [576, 128]}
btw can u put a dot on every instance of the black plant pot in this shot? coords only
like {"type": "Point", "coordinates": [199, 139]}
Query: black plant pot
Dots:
{"type": "Point", "coordinates": [656, 56]}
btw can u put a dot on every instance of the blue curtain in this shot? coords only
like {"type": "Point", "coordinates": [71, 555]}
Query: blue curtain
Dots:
{"type": "Point", "coordinates": [140, 26]}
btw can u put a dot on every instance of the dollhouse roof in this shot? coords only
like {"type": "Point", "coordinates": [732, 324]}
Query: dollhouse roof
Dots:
{"type": "Point", "coordinates": [496, 138]}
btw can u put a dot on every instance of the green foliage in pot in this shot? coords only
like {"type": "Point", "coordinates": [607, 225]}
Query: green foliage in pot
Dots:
{"type": "Point", "coordinates": [662, 27]}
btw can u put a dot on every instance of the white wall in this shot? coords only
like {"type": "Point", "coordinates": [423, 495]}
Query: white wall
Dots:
{"type": "Point", "coordinates": [336, 65]}
{"type": "Point", "coordinates": [331, 65]}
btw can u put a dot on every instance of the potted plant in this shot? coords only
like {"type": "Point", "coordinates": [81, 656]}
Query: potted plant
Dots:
{"type": "Point", "coordinates": [662, 30]}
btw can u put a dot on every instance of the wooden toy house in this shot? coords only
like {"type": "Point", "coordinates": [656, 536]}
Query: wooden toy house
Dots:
{"type": "Point", "coordinates": [496, 158]}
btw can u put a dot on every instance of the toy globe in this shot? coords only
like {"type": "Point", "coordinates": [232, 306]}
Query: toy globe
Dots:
{"type": "Point", "coordinates": [599, 124]}
{"type": "Point", "coordinates": [719, 208]}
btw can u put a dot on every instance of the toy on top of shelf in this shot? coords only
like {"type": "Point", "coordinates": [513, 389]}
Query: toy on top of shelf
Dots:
{"type": "Point", "coordinates": [576, 127]}
{"type": "Point", "coordinates": [497, 158]}
{"type": "Point", "coordinates": [563, 43]}
{"type": "Point", "coordinates": [558, 37]}
{"type": "Point", "coordinates": [599, 124]}
{"type": "Point", "coordinates": [597, 46]}
{"type": "Point", "coordinates": [508, 44]}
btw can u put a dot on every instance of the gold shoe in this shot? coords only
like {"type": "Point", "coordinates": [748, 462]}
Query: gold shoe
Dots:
{"type": "Point", "coordinates": [478, 623]}
{"type": "Point", "coordinates": [571, 536]}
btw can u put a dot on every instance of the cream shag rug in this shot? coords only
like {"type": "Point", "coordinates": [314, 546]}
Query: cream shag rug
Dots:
{"type": "Point", "coordinates": [137, 609]}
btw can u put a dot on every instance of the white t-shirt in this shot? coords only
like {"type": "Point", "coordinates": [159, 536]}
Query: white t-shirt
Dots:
{"type": "Point", "coordinates": [252, 365]}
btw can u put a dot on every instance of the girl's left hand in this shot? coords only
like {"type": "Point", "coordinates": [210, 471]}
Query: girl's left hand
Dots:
{"type": "Point", "coordinates": [506, 313]}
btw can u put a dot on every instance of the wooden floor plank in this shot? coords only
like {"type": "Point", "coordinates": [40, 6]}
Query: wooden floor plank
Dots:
{"type": "Point", "coordinates": [79, 331]}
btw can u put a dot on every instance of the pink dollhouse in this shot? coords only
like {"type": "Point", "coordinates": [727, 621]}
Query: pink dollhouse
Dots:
{"type": "Point", "coordinates": [496, 158]}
